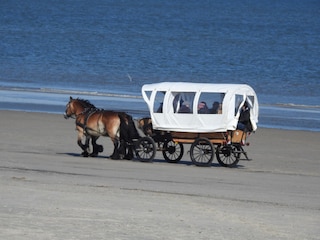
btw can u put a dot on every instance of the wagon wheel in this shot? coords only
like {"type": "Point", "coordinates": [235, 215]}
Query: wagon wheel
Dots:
{"type": "Point", "coordinates": [228, 156]}
{"type": "Point", "coordinates": [172, 151]}
{"type": "Point", "coordinates": [202, 152]}
{"type": "Point", "coordinates": [145, 149]}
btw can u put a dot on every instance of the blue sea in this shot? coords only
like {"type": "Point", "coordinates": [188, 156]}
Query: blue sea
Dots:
{"type": "Point", "coordinates": [105, 50]}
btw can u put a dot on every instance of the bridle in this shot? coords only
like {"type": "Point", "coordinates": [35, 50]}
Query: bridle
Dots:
{"type": "Point", "coordinates": [74, 115]}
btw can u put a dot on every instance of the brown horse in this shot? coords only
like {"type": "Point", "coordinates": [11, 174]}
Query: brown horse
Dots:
{"type": "Point", "coordinates": [93, 123]}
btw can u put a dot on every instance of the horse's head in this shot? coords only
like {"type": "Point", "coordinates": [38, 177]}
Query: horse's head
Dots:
{"type": "Point", "coordinates": [145, 124]}
{"type": "Point", "coordinates": [70, 111]}
{"type": "Point", "coordinates": [76, 106]}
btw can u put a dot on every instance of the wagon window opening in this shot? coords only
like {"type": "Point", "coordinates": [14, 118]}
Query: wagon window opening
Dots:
{"type": "Point", "coordinates": [239, 100]}
{"type": "Point", "coordinates": [183, 102]}
{"type": "Point", "coordinates": [251, 101]}
{"type": "Point", "coordinates": [210, 103]}
{"type": "Point", "coordinates": [158, 102]}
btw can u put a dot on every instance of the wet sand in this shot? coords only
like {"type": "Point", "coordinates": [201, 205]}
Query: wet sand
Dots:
{"type": "Point", "coordinates": [48, 191]}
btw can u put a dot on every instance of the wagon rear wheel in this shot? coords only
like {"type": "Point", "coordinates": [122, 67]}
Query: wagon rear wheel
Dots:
{"type": "Point", "coordinates": [145, 149]}
{"type": "Point", "coordinates": [202, 152]}
{"type": "Point", "coordinates": [172, 151]}
{"type": "Point", "coordinates": [228, 156]}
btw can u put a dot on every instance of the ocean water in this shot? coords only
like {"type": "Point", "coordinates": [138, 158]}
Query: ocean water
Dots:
{"type": "Point", "coordinates": [105, 51]}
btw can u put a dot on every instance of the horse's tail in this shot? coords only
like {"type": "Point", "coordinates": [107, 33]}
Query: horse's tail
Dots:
{"type": "Point", "coordinates": [123, 127]}
{"type": "Point", "coordinates": [128, 129]}
{"type": "Point", "coordinates": [132, 128]}
{"type": "Point", "coordinates": [128, 132]}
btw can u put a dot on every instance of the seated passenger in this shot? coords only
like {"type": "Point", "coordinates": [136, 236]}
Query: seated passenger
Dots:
{"type": "Point", "coordinates": [185, 108]}
{"type": "Point", "coordinates": [215, 108]}
{"type": "Point", "coordinates": [203, 108]}
{"type": "Point", "coordinates": [220, 109]}
{"type": "Point", "coordinates": [244, 122]}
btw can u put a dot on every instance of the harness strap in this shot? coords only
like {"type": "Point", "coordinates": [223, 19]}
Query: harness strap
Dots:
{"type": "Point", "coordinates": [88, 113]}
{"type": "Point", "coordinates": [80, 125]}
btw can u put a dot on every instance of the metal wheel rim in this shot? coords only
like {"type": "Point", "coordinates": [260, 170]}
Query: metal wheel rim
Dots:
{"type": "Point", "coordinates": [202, 152]}
{"type": "Point", "coordinates": [172, 152]}
{"type": "Point", "coordinates": [145, 149]}
{"type": "Point", "coordinates": [228, 156]}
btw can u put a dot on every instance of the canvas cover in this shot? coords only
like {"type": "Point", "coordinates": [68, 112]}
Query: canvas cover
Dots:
{"type": "Point", "coordinates": [198, 107]}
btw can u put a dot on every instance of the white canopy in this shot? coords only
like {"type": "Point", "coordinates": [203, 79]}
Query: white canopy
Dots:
{"type": "Point", "coordinates": [175, 106]}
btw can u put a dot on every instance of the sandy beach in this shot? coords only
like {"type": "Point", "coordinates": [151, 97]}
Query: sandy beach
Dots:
{"type": "Point", "coordinates": [48, 191]}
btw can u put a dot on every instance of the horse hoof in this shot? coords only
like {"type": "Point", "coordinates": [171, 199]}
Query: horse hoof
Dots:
{"type": "Point", "coordinates": [115, 157]}
{"type": "Point", "coordinates": [93, 155]}
{"type": "Point", "coordinates": [100, 148]}
{"type": "Point", "coordinates": [85, 154]}
{"type": "Point", "coordinates": [128, 157]}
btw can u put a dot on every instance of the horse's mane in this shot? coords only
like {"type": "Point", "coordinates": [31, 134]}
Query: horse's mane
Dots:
{"type": "Point", "coordinates": [86, 103]}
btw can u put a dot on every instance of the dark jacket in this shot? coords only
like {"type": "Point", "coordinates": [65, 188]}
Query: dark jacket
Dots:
{"type": "Point", "coordinates": [244, 118]}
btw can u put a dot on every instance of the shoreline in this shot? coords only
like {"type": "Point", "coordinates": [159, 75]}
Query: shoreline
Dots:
{"type": "Point", "coordinates": [141, 114]}
{"type": "Point", "coordinates": [273, 115]}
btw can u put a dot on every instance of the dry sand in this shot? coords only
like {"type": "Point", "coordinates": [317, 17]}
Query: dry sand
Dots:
{"type": "Point", "coordinates": [48, 191]}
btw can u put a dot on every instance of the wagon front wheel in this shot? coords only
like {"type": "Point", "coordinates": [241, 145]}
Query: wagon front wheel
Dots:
{"type": "Point", "coordinates": [202, 152]}
{"type": "Point", "coordinates": [228, 156]}
{"type": "Point", "coordinates": [145, 149]}
{"type": "Point", "coordinates": [172, 151]}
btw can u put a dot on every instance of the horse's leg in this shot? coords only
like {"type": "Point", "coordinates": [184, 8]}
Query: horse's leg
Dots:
{"type": "Point", "coordinates": [79, 140]}
{"type": "Point", "coordinates": [84, 147]}
{"type": "Point", "coordinates": [87, 144]}
{"type": "Point", "coordinates": [96, 147]}
{"type": "Point", "coordinates": [124, 140]}
{"type": "Point", "coordinates": [126, 147]}
{"type": "Point", "coordinates": [129, 155]}
{"type": "Point", "coordinates": [115, 154]}
{"type": "Point", "coordinates": [122, 149]}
